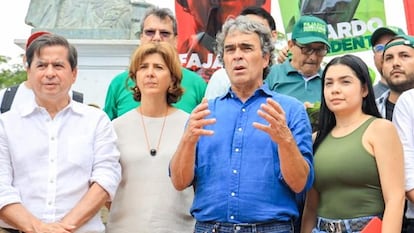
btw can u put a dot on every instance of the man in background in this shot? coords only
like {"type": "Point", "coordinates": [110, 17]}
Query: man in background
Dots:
{"type": "Point", "coordinates": [398, 69]}
{"type": "Point", "coordinates": [300, 76]}
{"type": "Point", "coordinates": [158, 24]}
{"type": "Point", "coordinates": [378, 40]}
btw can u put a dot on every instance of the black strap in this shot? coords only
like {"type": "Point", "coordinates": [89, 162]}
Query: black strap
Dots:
{"type": "Point", "coordinates": [11, 92]}
{"type": "Point", "coordinates": [8, 98]}
{"type": "Point", "coordinates": [77, 96]}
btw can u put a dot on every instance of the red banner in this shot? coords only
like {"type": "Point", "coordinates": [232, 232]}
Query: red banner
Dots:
{"type": "Point", "coordinates": [198, 23]}
{"type": "Point", "coordinates": [409, 15]}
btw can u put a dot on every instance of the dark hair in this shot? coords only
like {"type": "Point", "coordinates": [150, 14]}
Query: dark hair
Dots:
{"type": "Point", "coordinates": [327, 119]}
{"type": "Point", "coordinates": [48, 40]}
{"type": "Point", "coordinates": [170, 56]}
{"type": "Point", "coordinates": [245, 25]}
{"type": "Point", "coordinates": [254, 10]}
{"type": "Point", "coordinates": [162, 13]}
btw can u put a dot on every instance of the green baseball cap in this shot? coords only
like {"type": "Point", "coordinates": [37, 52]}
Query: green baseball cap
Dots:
{"type": "Point", "coordinates": [387, 30]}
{"type": "Point", "coordinates": [310, 29]}
{"type": "Point", "coordinates": [406, 40]}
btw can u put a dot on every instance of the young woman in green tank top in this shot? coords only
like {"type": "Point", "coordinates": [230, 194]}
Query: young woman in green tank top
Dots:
{"type": "Point", "coordinates": [358, 156]}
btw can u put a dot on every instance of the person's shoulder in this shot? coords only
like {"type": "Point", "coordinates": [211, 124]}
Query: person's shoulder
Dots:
{"type": "Point", "coordinates": [191, 74]}
{"type": "Point", "coordinates": [287, 99]}
{"type": "Point", "coordinates": [181, 113]}
{"type": "Point", "coordinates": [381, 125]}
{"type": "Point", "coordinates": [407, 95]}
{"type": "Point", "coordinates": [87, 110]}
{"type": "Point", "coordinates": [120, 78]}
{"type": "Point", "coordinates": [276, 71]}
{"type": "Point", "coordinates": [220, 72]}
{"type": "Point", "coordinates": [126, 117]}
{"type": "Point", "coordinates": [179, 117]}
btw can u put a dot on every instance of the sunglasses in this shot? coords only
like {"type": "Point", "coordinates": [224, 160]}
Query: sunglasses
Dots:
{"type": "Point", "coordinates": [379, 48]}
{"type": "Point", "coordinates": [307, 50]}
{"type": "Point", "coordinates": [163, 34]}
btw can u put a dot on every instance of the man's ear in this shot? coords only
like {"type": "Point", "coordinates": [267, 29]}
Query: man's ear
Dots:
{"type": "Point", "coordinates": [290, 44]}
{"type": "Point", "coordinates": [25, 64]}
{"type": "Point", "coordinates": [266, 59]}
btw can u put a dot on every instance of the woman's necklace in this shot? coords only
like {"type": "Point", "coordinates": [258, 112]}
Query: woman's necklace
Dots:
{"type": "Point", "coordinates": [153, 151]}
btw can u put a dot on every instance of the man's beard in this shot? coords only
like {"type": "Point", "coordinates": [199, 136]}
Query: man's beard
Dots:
{"type": "Point", "coordinates": [400, 86]}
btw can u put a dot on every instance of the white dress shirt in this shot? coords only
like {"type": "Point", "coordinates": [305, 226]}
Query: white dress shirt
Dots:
{"type": "Point", "coordinates": [48, 164]}
{"type": "Point", "coordinates": [218, 85]}
{"type": "Point", "coordinates": [403, 118]}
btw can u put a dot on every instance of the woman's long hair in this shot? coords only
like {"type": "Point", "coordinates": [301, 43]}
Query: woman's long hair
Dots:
{"type": "Point", "coordinates": [327, 119]}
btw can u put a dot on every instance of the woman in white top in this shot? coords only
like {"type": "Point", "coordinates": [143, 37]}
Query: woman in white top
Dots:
{"type": "Point", "coordinates": [146, 201]}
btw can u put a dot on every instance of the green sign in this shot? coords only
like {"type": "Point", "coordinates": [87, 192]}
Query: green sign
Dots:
{"type": "Point", "coordinates": [350, 22]}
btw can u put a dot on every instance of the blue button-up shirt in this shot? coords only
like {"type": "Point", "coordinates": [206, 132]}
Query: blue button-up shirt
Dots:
{"type": "Point", "coordinates": [237, 174]}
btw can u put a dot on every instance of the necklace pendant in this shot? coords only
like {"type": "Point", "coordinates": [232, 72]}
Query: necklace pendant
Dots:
{"type": "Point", "coordinates": [153, 152]}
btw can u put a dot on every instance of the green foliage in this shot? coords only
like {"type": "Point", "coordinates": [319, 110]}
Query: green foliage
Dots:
{"type": "Point", "coordinates": [313, 113]}
{"type": "Point", "coordinates": [10, 74]}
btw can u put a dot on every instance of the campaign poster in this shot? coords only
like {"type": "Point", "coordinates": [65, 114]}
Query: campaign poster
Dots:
{"type": "Point", "coordinates": [350, 22]}
{"type": "Point", "coordinates": [198, 23]}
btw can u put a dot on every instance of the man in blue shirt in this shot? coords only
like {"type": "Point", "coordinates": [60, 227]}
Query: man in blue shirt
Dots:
{"type": "Point", "coordinates": [248, 152]}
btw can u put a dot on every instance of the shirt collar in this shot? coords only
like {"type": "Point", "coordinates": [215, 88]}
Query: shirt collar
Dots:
{"type": "Point", "coordinates": [262, 90]}
{"type": "Point", "coordinates": [32, 106]}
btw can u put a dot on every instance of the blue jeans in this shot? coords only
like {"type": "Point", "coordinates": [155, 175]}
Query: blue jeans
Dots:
{"type": "Point", "coordinates": [271, 227]}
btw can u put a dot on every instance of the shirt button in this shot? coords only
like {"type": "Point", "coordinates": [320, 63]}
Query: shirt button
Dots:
{"type": "Point", "coordinates": [232, 217]}
{"type": "Point", "coordinates": [237, 150]}
{"type": "Point", "coordinates": [243, 110]}
{"type": "Point", "coordinates": [234, 171]}
{"type": "Point", "coordinates": [233, 194]}
{"type": "Point", "coordinates": [240, 129]}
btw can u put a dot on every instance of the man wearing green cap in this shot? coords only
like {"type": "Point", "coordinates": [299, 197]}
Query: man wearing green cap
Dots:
{"type": "Point", "coordinates": [378, 40]}
{"type": "Point", "coordinates": [399, 70]}
{"type": "Point", "coordinates": [299, 76]}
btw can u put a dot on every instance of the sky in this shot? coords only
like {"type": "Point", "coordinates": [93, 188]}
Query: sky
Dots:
{"type": "Point", "coordinates": [12, 14]}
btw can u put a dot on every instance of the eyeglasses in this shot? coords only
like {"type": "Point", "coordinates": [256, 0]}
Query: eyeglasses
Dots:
{"type": "Point", "coordinates": [379, 48]}
{"type": "Point", "coordinates": [307, 50]}
{"type": "Point", "coordinates": [151, 33]}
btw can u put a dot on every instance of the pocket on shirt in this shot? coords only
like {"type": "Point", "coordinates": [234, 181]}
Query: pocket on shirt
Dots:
{"type": "Point", "coordinates": [80, 152]}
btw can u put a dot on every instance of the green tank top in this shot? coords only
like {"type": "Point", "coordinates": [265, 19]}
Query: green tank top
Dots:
{"type": "Point", "coordinates": [346, 177]}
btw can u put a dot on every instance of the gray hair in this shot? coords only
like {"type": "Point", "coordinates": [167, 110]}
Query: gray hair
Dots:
{"type": "Point", "coordinates": [245, 25]}
{"type": "Point", "coordinates": [161, 13]}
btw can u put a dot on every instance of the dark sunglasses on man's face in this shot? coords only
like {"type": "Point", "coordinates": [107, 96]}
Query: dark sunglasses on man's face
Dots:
{"type": "Point", "coordinates": [307, 50]}
{"type": "Point", "coordinates": [151, 33]}
{"type": "Point", "coordinates": [379, 48]}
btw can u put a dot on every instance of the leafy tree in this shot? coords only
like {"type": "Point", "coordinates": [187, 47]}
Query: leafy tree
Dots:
{"type": "Point", "coordinates": [10, 74]}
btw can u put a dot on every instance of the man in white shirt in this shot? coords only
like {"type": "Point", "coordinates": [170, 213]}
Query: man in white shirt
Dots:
{"type": "Point", "coordinates": [59, 162]}
{"type": "Point", "coordinates": [21, 93]}
{"type": "Point", "coordinates": [398, 68]}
